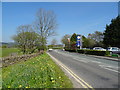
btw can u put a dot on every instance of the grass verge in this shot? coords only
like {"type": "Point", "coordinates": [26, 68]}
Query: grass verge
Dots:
{"type": "Point", "coordinates": [38, 72]}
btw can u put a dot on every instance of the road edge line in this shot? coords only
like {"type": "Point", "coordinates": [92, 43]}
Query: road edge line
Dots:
{"type": "Point", "coordinates": [77, 78]}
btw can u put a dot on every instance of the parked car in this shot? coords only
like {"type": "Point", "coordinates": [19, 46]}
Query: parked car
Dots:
{"type": "Point", "coordinates": [63, 49]}
{"type": "Point", "coordinates": [113, 49]}
{"type": "Point", "coordinates": [99, 48]}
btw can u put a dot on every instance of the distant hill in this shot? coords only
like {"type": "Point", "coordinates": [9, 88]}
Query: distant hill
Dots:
{"type": "Point", "coordinates": [8, 44]}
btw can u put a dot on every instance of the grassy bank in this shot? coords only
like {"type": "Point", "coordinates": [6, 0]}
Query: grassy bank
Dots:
{"type": "Point", "coordinates": [39, 72]}
{"type": "Point", "coordinates": [7, 51]}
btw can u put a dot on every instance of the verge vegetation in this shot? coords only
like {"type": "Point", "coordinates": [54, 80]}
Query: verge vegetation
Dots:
{"type": "Point", "coordinates": [38, 72]}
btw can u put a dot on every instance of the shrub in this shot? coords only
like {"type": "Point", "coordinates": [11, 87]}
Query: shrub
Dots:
{"type": "Point", "coordinates": [4, 46]}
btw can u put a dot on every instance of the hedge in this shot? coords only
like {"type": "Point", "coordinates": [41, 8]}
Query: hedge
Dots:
{"type": "Point", "coordinates": [57, 47]}
{"type": "Point", "coordinates": [90, 52]}
{"type": "Point", "coordinates": [94, 52]}
{"type": "Point", "coordinates": [70, 50]}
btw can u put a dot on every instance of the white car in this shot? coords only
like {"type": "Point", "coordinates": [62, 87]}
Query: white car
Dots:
{"type": "Point", "coordinates": [50, 49]}
{"type": "Point", "coordinates": [99, 48]}
{"type": "Point", "coordinates": [85, 48]}
{"type": "Point", "coordinates": [113, 49]}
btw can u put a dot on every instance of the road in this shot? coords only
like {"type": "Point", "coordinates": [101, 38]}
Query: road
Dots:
{"type": "Point", "coordinates": [99, 73]}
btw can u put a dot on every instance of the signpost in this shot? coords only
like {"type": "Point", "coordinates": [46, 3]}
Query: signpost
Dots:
{"type": "Point", "coordinates": [69, 42]}
{"type": "Point", "coordinates": [79, 41]}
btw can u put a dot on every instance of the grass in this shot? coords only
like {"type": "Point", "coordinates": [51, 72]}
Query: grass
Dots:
{"type": "Point", "coordinates": [7, 51]}
{"type": "Point", "coordinates": [38, 72]}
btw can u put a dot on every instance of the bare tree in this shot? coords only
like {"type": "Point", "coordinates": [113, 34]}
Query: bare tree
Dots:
{"type": "Point", "coordinates": [45, 24]}
{"type": "Point", "coordinates": [97, 36]}
{"type": "Point", "coordinates": [64, 39]}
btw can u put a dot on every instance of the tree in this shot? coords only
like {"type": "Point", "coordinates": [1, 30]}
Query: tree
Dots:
{"type": "Point", "coordinates": [64, 39]}
{"type": "Point", "coordinates": [97, 38]}
{"type": "Point", "coordinates": [45, 24]}
{"type": "Point", "coordinates": [73, 39]}
{"type": "Point", "coordinates": [54, 42]}
{"type": "Point", "coordinates": [112, 33]}
{"type": "Point", "coordinates": [26, 38]}
{"type": "Point", "coordinates": [87, 42]}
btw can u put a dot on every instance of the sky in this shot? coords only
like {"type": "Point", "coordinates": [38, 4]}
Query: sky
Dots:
{"type": "Point", "coordinates": [72, 17]}
{"type": "Point", "coordinates": [60, 0]}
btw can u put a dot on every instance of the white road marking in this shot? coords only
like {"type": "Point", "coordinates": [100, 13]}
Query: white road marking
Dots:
{"type": "Point", "coordinates": [80, 60]}
{"type": "Point", "coordinates": [107, 67]}
{"type": "Point", "coordinates": [111, 69]}
{"type": "Point", "coordinates": [77, 59]}
{"type": "Point", "coordinates": [95, 61]}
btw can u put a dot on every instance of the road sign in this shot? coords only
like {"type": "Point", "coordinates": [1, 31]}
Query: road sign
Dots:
{"type": "Point", "coordinates": [78, 37]}
{"type": "Point", "coordinates": [79, 41]}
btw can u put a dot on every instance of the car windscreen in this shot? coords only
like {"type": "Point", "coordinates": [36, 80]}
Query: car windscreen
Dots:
{"type": "Point", "coordinates": [114, 48]}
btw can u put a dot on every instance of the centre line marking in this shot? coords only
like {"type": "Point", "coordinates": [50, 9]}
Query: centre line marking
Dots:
{"type": "Point", "coordinates": [80, 60]}
{"type": "Point", "coordinates": [95, 62]}
{"type": "Point", "coordinates": [106, 67]}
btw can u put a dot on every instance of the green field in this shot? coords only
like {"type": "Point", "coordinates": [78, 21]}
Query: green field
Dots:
{"type": "Point", "coordinates": [7, 51]}
{"type": "Point", "coordinates": [39, 72]}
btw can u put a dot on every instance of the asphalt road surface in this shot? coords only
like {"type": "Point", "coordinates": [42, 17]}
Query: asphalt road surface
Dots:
{"type": "Point", "coordinates": [99, 73]}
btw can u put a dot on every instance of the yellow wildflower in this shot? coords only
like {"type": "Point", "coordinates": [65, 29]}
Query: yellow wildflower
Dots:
{"type": "Point", "coordinates": [20, 86]}
{"type": "Point", "coordinates": [8, 86]}
{"type": "Point", "coordinates": [51, 77]}
{"type": "Point", "coordinates": [59, 77]}
{"type": "Point", "coordinates": [53, 81]}
{"type": "Point", "coordinates": [26, 87]}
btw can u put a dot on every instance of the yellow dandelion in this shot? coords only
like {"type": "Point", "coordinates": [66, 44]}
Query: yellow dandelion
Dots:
{"type": "Point", "coordinates": [51, 77]}
{"type": "Point", "coordinates": [59, 77]}
{"type": "Point", "coordinates": [20, 86]}
{"type": "Point", "coordinates": [53, 81]}
{"type": "Point", "coordinates": [26, 87]}
{"type": "Point", "coordinates": [8, 86]}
